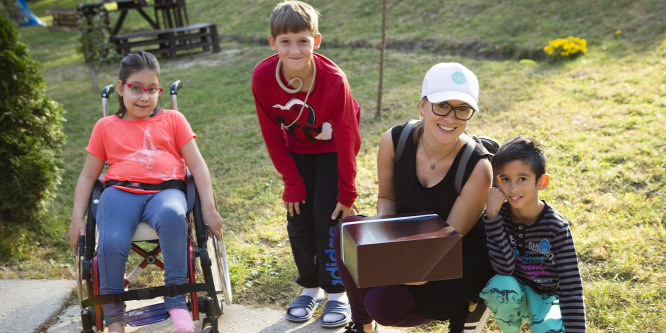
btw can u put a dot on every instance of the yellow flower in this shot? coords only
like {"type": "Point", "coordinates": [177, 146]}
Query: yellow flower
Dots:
{"type": "Point", "coordinates": [617, 32]}
{"type": "Point", "coordinates": [566, 47]}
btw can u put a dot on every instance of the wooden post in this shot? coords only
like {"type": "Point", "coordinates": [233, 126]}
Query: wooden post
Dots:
{"type": "Point", "coordinates": [382, 48]}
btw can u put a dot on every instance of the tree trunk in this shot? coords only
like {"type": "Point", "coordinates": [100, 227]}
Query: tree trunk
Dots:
{"type": "Point", "coordinates": [382, 49]}
{"type": "Point", "coordinates": [93, 77]}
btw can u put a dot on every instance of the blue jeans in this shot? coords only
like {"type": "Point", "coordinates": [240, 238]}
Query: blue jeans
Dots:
{"type": "Point", "coordinates": [513, 302]}
{"type": "Point", "coordinates": [118, 214]}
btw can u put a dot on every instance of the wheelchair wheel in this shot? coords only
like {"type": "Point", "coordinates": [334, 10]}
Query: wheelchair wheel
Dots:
{"type": "Point", "coordinates": [79, 279]}
{"type": "Point", "coordinates": [219, 270]}
{"type": "Point", "coordinates": [213, 266]}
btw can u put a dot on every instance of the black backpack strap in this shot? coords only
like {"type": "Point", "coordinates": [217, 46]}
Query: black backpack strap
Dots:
{"type": "Point", "coordinates": [492, 146]}
{"type": "Point", "coordinates": [469, 149]}
{"type": "Point", "coordinates": [403, 138]}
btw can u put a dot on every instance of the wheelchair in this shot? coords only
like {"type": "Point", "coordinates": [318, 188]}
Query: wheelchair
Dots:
{"type": "Point", "coordinates": [208, 288]}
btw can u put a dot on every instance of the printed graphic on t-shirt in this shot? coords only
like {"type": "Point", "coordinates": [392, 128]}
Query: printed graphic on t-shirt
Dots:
{"type": "Point", "coordinates": [173, 175]}
{"type": "Point", "coordinates": [288, 115]}
{"type": "Point", "coordinates": [144, 155]}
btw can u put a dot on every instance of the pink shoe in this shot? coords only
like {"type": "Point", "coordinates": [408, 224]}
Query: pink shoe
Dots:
{"type": "Point", "coordinates": [182, 320]}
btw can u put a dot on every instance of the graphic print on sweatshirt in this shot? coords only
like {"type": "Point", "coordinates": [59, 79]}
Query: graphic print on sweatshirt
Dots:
{"type": "Point", "coordinates": [144, 155]}
{"type": "Point", "coordinates": [533, 263]}
{"type": "Point", "coordinates": [287, 114]}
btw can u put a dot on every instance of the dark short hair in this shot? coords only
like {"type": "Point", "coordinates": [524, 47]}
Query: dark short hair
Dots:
{"type": "Point", "coordinates": [132, 63]}
{"type": "Point", "coordinates": [294, 16]}
{"type": "Point", "coordinates": [522, 148]}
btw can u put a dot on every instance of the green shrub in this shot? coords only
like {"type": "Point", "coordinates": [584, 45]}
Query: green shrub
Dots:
{"type": "Point", "coordinates": [30, 134]}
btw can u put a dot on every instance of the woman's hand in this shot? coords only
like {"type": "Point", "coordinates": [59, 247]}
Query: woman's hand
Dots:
{"type": "Point", "coordinates": [346, 211]}
{"type": "Point", "coordinates": [415, 283]}
{"type": "Point", "coordinates": [494, 202]}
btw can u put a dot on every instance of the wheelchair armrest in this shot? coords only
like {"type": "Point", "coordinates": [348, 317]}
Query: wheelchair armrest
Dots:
{"type": "Point", "coordinates": [94, 197]}
{"type": "Point", "coordinates": [190, 191]}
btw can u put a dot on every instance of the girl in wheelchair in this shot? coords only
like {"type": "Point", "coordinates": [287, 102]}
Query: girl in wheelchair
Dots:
{"type": "Point", "coordinates": [147, 149]}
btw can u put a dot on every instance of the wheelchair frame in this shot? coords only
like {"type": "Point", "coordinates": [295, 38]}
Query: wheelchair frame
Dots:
{"type": "Point", "coordinates": [212, 264]}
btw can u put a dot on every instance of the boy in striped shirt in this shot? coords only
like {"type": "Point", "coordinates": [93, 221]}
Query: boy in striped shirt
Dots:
{"type": "Point", "coordinates": [530, 247]}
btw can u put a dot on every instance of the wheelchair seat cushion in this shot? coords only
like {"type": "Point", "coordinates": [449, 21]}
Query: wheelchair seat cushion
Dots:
{"type": "Point", "coordinates": [144, 233]}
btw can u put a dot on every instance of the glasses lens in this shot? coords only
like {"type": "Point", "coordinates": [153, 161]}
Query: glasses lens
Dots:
{"type": "Point", "coordinates": [441, 109]}
{"type": "Point", "coordinates": [154, 91]}
{"type": "Point", "coordinates": [136, 89]}
{"type": "Point", "coordinates": [464, 112]}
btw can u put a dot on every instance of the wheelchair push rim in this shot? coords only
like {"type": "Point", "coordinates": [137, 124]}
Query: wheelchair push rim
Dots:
{"type": "Point", "coordinates": [219, 270]}
{"type": "Point", "coordinates": [79, 281]}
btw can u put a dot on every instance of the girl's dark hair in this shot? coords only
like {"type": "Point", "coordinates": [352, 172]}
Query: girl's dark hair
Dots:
{"type": "Point", "coordinates": [522, 148]}
{"type": "Point", "coordinates": [135, 62]}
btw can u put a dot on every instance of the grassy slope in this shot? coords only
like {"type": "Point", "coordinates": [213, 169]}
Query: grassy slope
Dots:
{"type": "Point", "coordinates": [599, 117]}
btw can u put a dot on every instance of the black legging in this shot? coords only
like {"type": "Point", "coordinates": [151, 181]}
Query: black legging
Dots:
{"type": "Point", "coordinates": [311, 231]}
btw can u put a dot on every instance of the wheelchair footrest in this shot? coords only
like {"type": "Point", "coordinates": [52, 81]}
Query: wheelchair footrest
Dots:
{"type": "Point", "coordinates": [147, 315]}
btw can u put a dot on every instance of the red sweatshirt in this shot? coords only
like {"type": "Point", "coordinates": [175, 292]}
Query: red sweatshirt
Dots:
{"type": "Point", "coordinates": [330, 101]}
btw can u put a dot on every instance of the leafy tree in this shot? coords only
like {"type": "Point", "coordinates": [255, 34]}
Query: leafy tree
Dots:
{"type": "Point", "coordinates": [10, 8]}
{"type": "Point", "coordinates": [30, 134]}
{"type": "Point", "coordinates": [95, 40]}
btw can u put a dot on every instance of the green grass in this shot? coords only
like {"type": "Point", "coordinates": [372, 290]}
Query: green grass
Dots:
{"type": "Point", "coordinates": [599, 116]}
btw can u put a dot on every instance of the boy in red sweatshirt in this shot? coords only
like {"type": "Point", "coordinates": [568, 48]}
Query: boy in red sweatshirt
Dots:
{"type": "Point", "coordinates": [310, 124]}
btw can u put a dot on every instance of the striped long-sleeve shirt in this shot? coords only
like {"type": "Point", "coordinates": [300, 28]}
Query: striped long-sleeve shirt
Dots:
{"type": "Point", "coordinates": [541, 255]}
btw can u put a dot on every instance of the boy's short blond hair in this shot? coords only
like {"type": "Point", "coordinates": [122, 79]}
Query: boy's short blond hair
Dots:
{"type": "Point", "coordinates": [294, 16]}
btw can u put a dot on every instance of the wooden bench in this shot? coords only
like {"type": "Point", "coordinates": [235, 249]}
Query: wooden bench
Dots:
{"type": "Point", "coordinates": [63, 17]}
{"type": "Point", "coordinates": [170, 41]}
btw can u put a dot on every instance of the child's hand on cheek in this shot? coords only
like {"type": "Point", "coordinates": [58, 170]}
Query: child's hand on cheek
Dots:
{"type": "Point", "coordinates": [494, 202]}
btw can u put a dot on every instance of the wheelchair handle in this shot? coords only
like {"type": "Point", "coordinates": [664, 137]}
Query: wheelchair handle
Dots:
{"type": "Point", "coordinates": [106, 91]}
{"type": "Point", "coordinates": [174, 91]}
{"type": "Point", "coordinates": [175, 86]}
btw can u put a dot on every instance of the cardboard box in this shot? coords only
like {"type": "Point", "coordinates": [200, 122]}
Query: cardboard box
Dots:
{"type": "Point", "coordinates": [387, 250]}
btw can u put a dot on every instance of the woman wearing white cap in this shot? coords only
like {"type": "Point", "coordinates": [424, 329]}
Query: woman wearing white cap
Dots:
{"type": "Point", "coordinates": [422, 179]}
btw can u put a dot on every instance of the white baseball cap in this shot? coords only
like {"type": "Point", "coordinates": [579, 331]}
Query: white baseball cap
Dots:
{"type": "Point", "coordinates": [451, 81]}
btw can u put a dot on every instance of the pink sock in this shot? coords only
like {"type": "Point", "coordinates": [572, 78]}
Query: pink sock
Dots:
{"type": "Point", "coordinates": [182, 320]}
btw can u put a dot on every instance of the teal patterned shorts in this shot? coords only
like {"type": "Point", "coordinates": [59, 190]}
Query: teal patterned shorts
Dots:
{"type": "Point", "coordinates": [513, 303]}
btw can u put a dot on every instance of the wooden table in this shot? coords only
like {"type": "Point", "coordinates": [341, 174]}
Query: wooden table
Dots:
{"type": "Point", "coordinates": [124, 6]}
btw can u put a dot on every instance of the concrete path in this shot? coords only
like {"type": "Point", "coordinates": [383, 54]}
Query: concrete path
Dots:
{"type": "Point", "coordinates": [40, 306]}
{"type": "Point", "coordinates": [236, 319]}
{"type": "Point", "coordinates": [26, 304]}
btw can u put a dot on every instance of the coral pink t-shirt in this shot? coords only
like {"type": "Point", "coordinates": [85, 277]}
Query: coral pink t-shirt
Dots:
{"type": "Point", "coordinates": [145, 150]}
